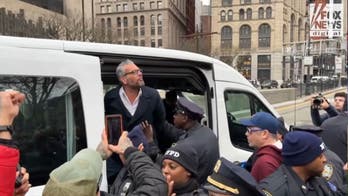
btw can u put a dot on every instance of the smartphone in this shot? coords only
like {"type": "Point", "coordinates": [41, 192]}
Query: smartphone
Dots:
{"type": "Point", "coordinates": [114, 128]}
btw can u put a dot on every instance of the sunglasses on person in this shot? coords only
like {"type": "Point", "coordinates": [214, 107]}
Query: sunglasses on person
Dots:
{"type": "Point", "coordinates": [253, 129]}
{"type": "Point", "coordinates": [134, 72]}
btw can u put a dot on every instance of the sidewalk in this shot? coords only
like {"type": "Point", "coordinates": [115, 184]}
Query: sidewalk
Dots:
{"type": "Point", "coordinates": [307, 98]}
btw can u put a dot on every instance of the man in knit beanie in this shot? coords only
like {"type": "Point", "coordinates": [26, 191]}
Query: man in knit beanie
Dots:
{"type": "Point", "coordinates": [300, 173]}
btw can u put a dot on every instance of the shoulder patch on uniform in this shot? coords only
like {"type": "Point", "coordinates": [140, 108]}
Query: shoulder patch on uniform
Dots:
{"type": "Point", "coordinates": [266, 192]}
{"type": "Point", "coordinates": [328, 171]}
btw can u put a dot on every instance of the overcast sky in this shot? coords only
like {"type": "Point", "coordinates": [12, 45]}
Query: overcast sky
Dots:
{"type": "Point", "coordinates": [206, 2]}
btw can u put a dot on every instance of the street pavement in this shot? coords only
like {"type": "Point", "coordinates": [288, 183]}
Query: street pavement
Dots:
{"type": "Point", "coordinates": [296, 112]}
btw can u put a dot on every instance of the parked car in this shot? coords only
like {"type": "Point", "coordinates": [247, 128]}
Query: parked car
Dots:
{"type": "Point", "coordinates": [269, 84]}
{"type": "Point", "coordinates": [289, 84]}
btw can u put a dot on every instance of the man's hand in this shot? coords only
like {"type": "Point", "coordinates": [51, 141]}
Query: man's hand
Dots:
{"type": "Point", "coordinates": [24, 188]}
{"type": "Point", "coordinates": [325, 104]}
{"type": "Point", "coordinates": [103, 147]}
{"type": "Point", "coordinates": [170, 183]}
{"type": "Point", "coordinates": [10, 100]}
{"type": "Point", "coordinates": [123, 143]}
{"type": "Point", "coordinates": [148, 131]}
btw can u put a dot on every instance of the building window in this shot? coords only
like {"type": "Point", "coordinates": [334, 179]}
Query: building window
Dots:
{"type": "Point", "coordinates": [125, 33]}
{"type": "Point", "coordinates": [261, 13]}
{"type": "Point", "coordinates": [119, 22]}
{"type": "Point", "coordinates": [268, 12]}
{"type": "Point", "coordinates": [119, 32]}
{"type": "Point", "coordinates": [159, 4]}
{"type": "Point", "coordinates": [264, 35]}
{"type": "Point", "coordinates": [142, 31]}
{"type": "Point", "coordinates": [135, 31]}
{"type": "Point", "coordinates": [226, 2]}
{"type": "Point", "coordinates": [159, 19]}
{"type": "Point", "coordinates": [159, 43]}
{"type": "Point", "coordinates": [249, 13]}
{"type": "Point", "coordinates": [118, 8]}
{"type": "Point", "coordinates": [136, 42]}
{"type": "Point", "coordinates": [264, 67]}
{"type": "Point", "coordinates": [103, 27]}
{"type": "Point", "coordinates": [142, 6]}
{"type": "Point", "coordinates": [142, 42]}
{"type": "Point", "coordinates": [142, 20]}
{"type": "Point", "coordinates": [226, 37]}
{"type": "Point", "coordinates": [135, 6]}
{"type": "Point", "coordinates": [153, 19]}
{"type": "Point", "coordinates": [223, 15]}
{"type": "Point", "coordinates": [153, 30]}
{"type": "Point", "coordinates": [108, 8]}
{"type": "Point", "coordinates": [102, 9]}
{"type": "Point", "coordinates": [125, 22]}
{"type": "Point", "coordinates": [245, 1]}
{"type": "Point", "coordinates": [135, 20]}
{"type": "Point", "coordinates": [125, 7]}
{"type": "Point", "coordinates": [152, 5]}
{"type": "Point", "coordinates": [230, 15]}
{"type": "Point", "coordinates": [153, 43]}
{"type": "Point", "coordinates": [245, 36]}
{"type": "Point", "coordinates": [109, 29]}
{"type": "Point", "coordinates": [241, 14]}
{"type": "Point", "coordinates": [159, 30]}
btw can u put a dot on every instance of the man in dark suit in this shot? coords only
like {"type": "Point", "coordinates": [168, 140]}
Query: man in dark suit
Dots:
{"type": "Point", "coordinates": [135, 102]}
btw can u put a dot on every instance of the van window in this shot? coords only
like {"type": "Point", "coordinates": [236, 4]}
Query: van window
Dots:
{"type": "Point", "coordinates": [240, 105]}
{"type": "Point", "coordinates": [50, 127]}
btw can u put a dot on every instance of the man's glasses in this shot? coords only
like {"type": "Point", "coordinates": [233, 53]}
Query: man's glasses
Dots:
{"type": "Point", "coordinates": [253, 129]}
{"type": "Point", "coordinates": [134, 72]}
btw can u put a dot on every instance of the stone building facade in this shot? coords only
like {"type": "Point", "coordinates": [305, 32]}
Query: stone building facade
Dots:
{"type": "Point", "coordinates": [252, 34]}
{"type": "Point", "coordinates": [152, 23]}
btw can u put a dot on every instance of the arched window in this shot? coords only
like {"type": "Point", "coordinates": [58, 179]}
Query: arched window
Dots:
{"type": "Point", "coordinates": [153, 19]}
{"type": "Point", "coordinates": [249, 13]}
{"type": "Point", "coordinates": [142, 20]}
{"type": "Point", "coordinates": [261, 13]}
{"type": "Point", "coordinates": [300, 30]}
{"type": "Point", "coordinates": [103, 26]}
{"type": "Point", "coordinates": [222, 15]}
{"type": "Point", "coordinates": [229, 15]}
{"type": "Point", "coordinates": [159, 24]}
{"type": "Point", "coordinates": [119, 23]}
{"type": "Point", "coordinates": [226, 37]}
{"type": "Point", "coordinates": [268, 12]}
{"type": "Point", "coordinates": [241, 14]}
{"type": "Point", "coordinates": [135, 20]}
{"type": "Point", "coordinates": [264, 35]}
{"type": "Point", "coordinates": [245, 36]}
{"type": "Point", "coordinates": [292, 28]}
{"type": "Point", "coordinates": [125, 22]}
{"type": "Point", "coordinates": [285, 34]}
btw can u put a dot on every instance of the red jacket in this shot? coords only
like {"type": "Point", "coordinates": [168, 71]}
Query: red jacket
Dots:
{"type": "Point", "coordinates": [267, 160]}
{"type": "Point", "coordinates": [9, 158]}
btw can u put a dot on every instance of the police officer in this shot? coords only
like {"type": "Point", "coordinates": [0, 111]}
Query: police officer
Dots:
{"type": "Point", "coordinates": [300, 173]}
{"type": "Point", "coordinates": [187, 117]}
{"type": "Point", "coordinates": [230, 179]}
{"type": "Point", "coordinates": [333, 170]}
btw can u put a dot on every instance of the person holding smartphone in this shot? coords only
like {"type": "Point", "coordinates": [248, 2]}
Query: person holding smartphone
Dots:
{"type": "Point", "coordinates": [136, 103]}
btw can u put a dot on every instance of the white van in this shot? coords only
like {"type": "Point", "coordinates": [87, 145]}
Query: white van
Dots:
{"type": "Point", "coordinates": [65, 82]}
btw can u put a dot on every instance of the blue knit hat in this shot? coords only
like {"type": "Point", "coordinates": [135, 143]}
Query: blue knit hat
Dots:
{"type": "Point", "coordinates": [301, 148]}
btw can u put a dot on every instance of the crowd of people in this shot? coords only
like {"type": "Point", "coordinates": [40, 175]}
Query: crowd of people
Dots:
{"type": "Point", "coordinates": [157, 154]}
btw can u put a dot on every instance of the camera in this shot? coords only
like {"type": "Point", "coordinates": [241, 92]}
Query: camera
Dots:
{"type": "Point", "coordinates": [318, 100]}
